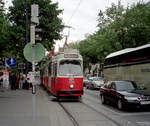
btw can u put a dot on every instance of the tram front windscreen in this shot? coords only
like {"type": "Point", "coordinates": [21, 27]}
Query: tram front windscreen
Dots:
{"type": "Point", "coordinates": [70, 67]}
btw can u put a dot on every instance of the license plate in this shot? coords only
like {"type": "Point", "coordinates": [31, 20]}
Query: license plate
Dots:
{"type": "Point", "coordinates": [145, 102]}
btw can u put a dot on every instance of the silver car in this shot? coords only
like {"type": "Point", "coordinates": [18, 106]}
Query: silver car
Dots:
{"type": "Point", "coordinates": [95, 83]}
{"type": "Point", "coordinates": [85, 81]}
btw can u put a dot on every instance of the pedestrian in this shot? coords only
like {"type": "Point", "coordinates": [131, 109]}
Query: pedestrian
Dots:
{"type": "Point", "coordinates": [13, 81]}
{"type": "Point", "coordinates": [17, 81]}
{"type": "Point", "coordinates": [1, 82]}
{"type": "Point", "coordinates": [24, 81]}
{"type": "Point", "coordinates": [21, 80]}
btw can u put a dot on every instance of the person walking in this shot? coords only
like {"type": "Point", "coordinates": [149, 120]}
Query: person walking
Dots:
{"type": "Point", "coordinates": [13, 81]}
{"type": "Point", "coordinates": [17, 81]}
{"type": "Point", "coordinates": [1, 83]}
{"type": "Point", "coordinates": [21, 80]}
{"type": "Point", "coordinates": [24, 80]}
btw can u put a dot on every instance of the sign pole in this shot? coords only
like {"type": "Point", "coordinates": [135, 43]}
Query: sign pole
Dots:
{"type": "Point", "coordinates": [33, 86]}
{"type": "Point", "coordinates": [34, 21]}
{"type": "Point", "coordinates": [38, 52]}
{"type": "Point", "coordinates": [33, 71]}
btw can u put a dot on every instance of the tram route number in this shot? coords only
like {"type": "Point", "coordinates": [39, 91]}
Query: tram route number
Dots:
{"type": "Point", "coordinates": [71, 56]}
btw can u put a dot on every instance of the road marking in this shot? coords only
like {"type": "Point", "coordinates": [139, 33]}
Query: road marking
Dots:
{"type": "Point", "coordinates": [143, 123]}
{"type": "Point", "coordinates": [135, 114]}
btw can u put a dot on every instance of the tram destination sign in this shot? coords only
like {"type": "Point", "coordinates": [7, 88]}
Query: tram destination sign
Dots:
{"type": "Point", "coordinates": [71, 55]}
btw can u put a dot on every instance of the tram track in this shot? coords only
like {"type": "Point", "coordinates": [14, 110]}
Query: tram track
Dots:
{"type": "Point", "coordinates": [101, 113]}
{"type": "Point", "coordinates": [76, 123]}
{"type": "Point", "coordinates": [118, 123]}
{"type": "Point", "coordinates": [73, 120]}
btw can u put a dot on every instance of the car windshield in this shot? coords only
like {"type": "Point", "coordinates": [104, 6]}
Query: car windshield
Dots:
{"type": "Point", "coordinates": [125, 85]}
{"type": "Point", "coordinates": [72, 67]}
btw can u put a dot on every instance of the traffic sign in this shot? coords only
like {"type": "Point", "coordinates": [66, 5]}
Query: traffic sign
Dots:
{"type": "Point", "coordinates": [34, 10]}
{"type": "Point", "coordinates": [11, 61]}
{"type": "Point", "coordinates": [32, 34]}
{"type": "Point", "coordinates": [39, 52]}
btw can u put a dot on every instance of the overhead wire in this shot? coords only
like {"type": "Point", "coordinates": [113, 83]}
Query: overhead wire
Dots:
{"type": "Point", "coordinates": [76, 9]}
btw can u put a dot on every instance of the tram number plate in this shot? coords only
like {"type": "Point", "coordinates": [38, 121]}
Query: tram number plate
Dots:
{"type": "Point", "coordinates": [145, 102]}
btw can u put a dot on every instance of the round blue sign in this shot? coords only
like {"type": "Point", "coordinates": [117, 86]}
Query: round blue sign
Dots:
{"type": "Point", "coordinates": [11, 61]}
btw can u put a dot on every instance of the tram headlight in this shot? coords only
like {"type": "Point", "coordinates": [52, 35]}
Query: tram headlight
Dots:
{"type": "Point", "coordinates": [71, 86]}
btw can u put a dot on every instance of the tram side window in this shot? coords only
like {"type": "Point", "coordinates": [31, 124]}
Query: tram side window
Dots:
{"type": "Point", "coordinates": [52, 70]}
{"type": "Point", "coordinates": [55, 70]}
{"type": "Point", "coordinates": [49, 69]}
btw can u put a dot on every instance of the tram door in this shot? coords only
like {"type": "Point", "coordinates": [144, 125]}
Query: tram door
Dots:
{"type": "Point", "coordinates": [53, 78]}
{"type": "Point", "coordinates": [49, 76]}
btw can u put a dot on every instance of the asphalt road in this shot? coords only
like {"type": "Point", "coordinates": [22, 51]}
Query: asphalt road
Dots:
{"type": "Point", "coordinates": [17, 109]}
{"type": "Point", "coordinates": [138, 117]}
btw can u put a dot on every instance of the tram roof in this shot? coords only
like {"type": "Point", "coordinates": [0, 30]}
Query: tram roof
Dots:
{"type": "Point", "coordinates": [60, 55]}
{"type": "Point", "coordinates": [124, 51]}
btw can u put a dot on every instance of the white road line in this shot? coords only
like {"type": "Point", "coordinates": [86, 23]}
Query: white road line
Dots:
{"type": "Point", "coordinates": [143, 123]}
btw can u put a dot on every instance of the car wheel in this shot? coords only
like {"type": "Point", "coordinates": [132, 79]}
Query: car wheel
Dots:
{"type": "Point", "coordinates": [120, 104]}
{"type": "Point", "coordinates": [103, 99]}
{"type": "Point", "coordinates": [93, 87]}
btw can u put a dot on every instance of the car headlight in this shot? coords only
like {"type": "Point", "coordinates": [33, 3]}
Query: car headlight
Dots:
{"type": "Point", "coordinates": [130, 98]}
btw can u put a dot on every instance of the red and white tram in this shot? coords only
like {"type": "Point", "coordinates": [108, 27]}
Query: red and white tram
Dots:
{"type": "Point", "coordinates": [63, 74]}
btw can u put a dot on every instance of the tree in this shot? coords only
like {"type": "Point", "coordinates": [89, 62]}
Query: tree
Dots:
{"type": "Point", "coordinates": [2, 22]}
{"type": "Point", "coordinates": [137, 25]}
{"type": "Point", "coordinates": [74, 45]}
{"type": "Point", "coordinates": [4, 30]}
{"type": "Point", "coordinates": [50, 24]}
{"type": "Point", "coordinates": [119, 28]}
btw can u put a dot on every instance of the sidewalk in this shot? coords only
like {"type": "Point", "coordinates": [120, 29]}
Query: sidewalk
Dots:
{"type": "Point", "coordinates": [16, 109]}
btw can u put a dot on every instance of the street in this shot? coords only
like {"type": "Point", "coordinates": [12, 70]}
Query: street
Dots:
{"type": "Point", "coordinates": [137, 117]}
{"type": "Point", "coordinates": [16, 110]}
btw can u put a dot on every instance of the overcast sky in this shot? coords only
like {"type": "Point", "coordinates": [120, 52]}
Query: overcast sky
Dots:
{"type": "Point", "coordinates": [82, 16]}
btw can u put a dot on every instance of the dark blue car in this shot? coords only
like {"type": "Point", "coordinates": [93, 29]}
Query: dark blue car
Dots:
{"type": "Point", "coordinates": [124, 94]}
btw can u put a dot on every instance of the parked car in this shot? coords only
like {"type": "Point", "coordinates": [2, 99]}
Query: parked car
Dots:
{"type": "Point", "coordinates": [124, 94]}
{"type": "Point", "coordinates": [85, 81]}
{"type": "Point", "coordinates": [95, 82]}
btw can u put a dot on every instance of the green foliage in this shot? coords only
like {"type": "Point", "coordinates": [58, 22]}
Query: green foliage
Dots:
{"type": "Point", "coordinates": [74, 45]}
{"type": "Point", "coordinates": [50, 24]}
{"type": "Point", "coordinates": [4, 30]}
{"type": "Point", "coordinates": [119, 28]}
